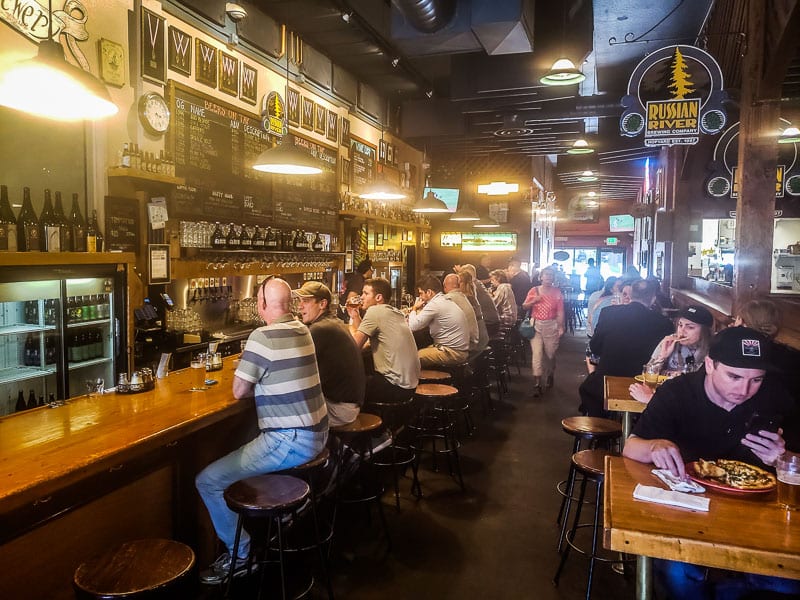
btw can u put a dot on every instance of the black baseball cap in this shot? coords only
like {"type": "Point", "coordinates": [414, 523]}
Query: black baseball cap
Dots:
{"type": "Point", "coordinates": [697, 314]}
{"type": "Point", "coordinates": [364, 266]}
{"type": "Point", "coordinates": [742, 347]}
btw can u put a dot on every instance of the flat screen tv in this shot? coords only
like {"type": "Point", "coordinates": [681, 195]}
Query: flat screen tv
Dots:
{"type": "Point", "coordinates": [447, 195]}
{"type": "Point", "coordinates": [620, 223]}
{"type": "Point", "coordinates": [495, 241]}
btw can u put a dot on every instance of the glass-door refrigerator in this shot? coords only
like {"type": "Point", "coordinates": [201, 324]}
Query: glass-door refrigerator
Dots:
{"type": "Point", "coordinates": [61, 329]}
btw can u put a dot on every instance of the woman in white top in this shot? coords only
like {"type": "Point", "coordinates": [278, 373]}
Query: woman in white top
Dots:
{"type": "Point", "coordinates": [503, 297]}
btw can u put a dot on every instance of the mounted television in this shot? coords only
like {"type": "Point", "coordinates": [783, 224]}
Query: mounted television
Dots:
{"type": "Point", "coordinates": [495, 241]}
{"type": "Point", "coordinates": [620, 223]}
{"type": "Point", "coordinates": [447, 195]}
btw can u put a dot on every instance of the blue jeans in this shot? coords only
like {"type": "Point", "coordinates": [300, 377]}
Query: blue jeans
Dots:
{"type": "Point", "coordinates": [683, 580]}
{"type": "Point", "coordinates": [270, 451]}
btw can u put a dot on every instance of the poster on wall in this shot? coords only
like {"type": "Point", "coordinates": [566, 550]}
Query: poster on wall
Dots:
{"type": "Point", "coordinates": [674, 94]}
{"type": "Point", "coordinates": [206, 64]}
{"type": "Point", "coordinates": [333, 129]}
{"type": "Point", "coordinates": [228, 74]}
{"type": "Point", "coordinates": [179, 57]}
{"type": "Point", "coordinates": [320, 114]}
{"type": "Point", "coordinates": [154, 66]}
{"type": "Point", "coordinates": [293, 107]}
{"type": "Point", "coordinates": [248, 85]}
{"type": "Point", "coordinates": [344, 135]}
{"type": "Point", "coordinates": [307, 118]}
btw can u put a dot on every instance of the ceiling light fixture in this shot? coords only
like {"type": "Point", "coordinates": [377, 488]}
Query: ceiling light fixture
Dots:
{"type": "Point", "coordinates": [580, 146]}
{"type": "Point", "coordinates": [48, 86]}
{"type": "Point", "coordinates": [587, 176]}
{"type": "Point", "coordinates": [563, 72]}
{"type": "Point", "coordinates": [790, 135]}
{"type": "Point", "coordinates": [382, 190]}
{"type": "Point", "coordinates": [486, 223]}
{"type": "Point", "coordinates": [346, 16]}
{"type": "Point", "coordinates": [285, 158]}
{"type": "Point", "coordinates": [498, 188]}
{"type": "Point", "coordinates": [395, 62]}
{"type": "Point", "coordinates": [465, 214]}
{"type": "Point", "coordinates": [430, 204]}
{"type": "Point", "coordinates": [429, 93]}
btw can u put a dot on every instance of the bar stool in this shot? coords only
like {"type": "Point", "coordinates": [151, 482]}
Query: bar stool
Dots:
{"type": "Point", "coordinates": [434, 422]}
{"type": "Point", "coordinates": [462, 378]}
{"type": "Point", "coordinates": [309, 472]}
{"type": "Point", "coordinates": [366, 488]}
{"type": "Point", "coordinates": [433, 376]}
{"type": "Point", "coordinates": [271, 497]}
{"type": "Point", "coordinates": [594, 430]}
{"type": "Point", "coordinates": [591, 465]}
{"type": "Point", "coordinates": [395, 417]}
{"type": "Point", "coordinates": [152, 568]}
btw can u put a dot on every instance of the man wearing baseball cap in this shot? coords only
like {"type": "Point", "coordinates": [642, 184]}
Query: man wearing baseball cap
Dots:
{"type": "Point", "coordinates": [341, 368]}
{"type": "Point", "coordinates": [729, 409]}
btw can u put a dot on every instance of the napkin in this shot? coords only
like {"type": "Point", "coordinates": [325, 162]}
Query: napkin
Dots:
{"type": "Point", "coordinates": [678, 485]}
{"type": "Point", "coordinates": [650, 493]}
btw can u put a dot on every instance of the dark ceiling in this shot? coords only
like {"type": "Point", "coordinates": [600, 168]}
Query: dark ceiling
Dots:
{"type": "Point", "coordinates": [461, 77]}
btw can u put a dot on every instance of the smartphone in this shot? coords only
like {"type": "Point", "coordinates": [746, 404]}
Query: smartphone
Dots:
{"type": "Point", "coordinates": [764, 423]}
{"type": "Point", "coordinates": [211, 382]}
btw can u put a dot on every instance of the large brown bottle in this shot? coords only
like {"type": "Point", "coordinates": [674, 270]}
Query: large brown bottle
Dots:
{"type": "Point", "coordinates": [94, 238]}
{"type": "Point", "coordinates": [78, 226]}
{"type": "Point", "coordinates": [28, 234]}
{"type": "Point", "coordinates": [64, 227]}
{"type": "Point", "coordinates": [50, 226]}
{"type": "Point", "coordinates": [8, 223]}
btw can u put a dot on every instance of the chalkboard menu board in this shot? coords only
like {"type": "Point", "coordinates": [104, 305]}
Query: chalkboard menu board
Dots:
{"type": "Point", "coordinates": [214, 144]}
{"type": "Point", "coordinates": [362, 158]}
{"type": "Point", "coordinates": [122, 224]}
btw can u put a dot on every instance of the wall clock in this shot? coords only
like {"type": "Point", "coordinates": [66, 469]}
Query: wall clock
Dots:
{"type": "Point", "coordinates": [154, 113]}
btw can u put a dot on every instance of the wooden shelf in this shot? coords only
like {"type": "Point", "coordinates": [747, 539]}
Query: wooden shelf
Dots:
{"type": "Point", "coordinates": [144, 176]}
{"type": "Point", "coordinates": [186, 269]}
{"type": "Point", "coordinates": [26, 259]}
{"type": "Point", "coordinates": [352, 214]}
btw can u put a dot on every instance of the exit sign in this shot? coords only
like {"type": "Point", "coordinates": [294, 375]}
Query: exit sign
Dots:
{"type": "Point", "coordinates": [611, 241]}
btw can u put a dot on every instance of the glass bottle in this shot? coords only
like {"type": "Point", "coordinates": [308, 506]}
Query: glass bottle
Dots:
{"type": "Point", "coordinates": [245, 241]}
{"type": "Point", "coordinates": [65, 241]}
{"type": "Point", "coordinates": [94, 239]}
{"type": "Point", "coordinates": [78, 226]}
{"type": "Point", "coordinates": [8, 223]}
{"type": "Point", "coordinates": [50, 227]}
{"type": "Point", "coordinates": [271, 240]}
{"type": "Point", "coordinates": [126, 156]}
{"type": "Point", "coordinates": [257, 242]}
{"type": "Point", "coordinates": [28, 235]}
{"type": "Point", "coordinates": [232, 241]}
{"type": "Point", "coordinates": [20, 402]}
{"type": "Point", "coordinates": [317, 245]}
{"type": "Point", "coordinates": [32, 399]}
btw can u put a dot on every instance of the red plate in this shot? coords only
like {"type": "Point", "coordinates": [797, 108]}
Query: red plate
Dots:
{"type": "Point", "coordinates": [691, 471]}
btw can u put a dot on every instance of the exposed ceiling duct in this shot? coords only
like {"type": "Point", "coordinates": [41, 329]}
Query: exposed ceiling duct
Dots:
{"type": "Point", "coordinates": [427, 16]}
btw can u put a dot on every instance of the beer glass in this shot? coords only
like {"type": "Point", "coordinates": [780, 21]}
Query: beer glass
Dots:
{"type": "Point", "coordinates": [198, 369]}
{"type": "Point", "coordinates": [650, 373]}
{"type": "Point", "coordinates": [787, 468]}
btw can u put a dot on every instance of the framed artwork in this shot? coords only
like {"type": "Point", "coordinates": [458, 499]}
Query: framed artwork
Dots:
{"type": "Point", "coordinates": [112, 62]}
{"type": "Point", "coordinates": [158, 264]}
{"type": "Point", "coordinates": [348, 261]}
{"type": "Point", "coordinates": [154, 65]}
{"type": "Point", "coordinates": [293, 107]}
{"type": "Point", "coordinates": [379, 238]}
{"type": "Point", "coordinates": [389, 154]}
{"type": "Point", "coordinates": [345, 172]}
{"type": "Point", "coordinates": [344, 133]}
{"type": "Point", "coordinates": [228, 74]}
{"type": "Point", "coordinates": [179, 55]}
{"type": "Point", "coordinates": [333, 129]}
{"type": "Point", "coordinates": [205, 64]}
{"type": "Point", "coordinates": [307, 120]}
{"type": "Point", "coordinates": [382, 151]}
{"type": "Point", "coordinates": [320, 114]}
{"type": "Point", "coordinates": [248, 86]}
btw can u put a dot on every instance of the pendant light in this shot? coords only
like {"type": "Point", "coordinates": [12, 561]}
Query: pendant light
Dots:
{"type": "Point", "coordinates": [285, 158]}
{"type": "Point", "coordinates": [50, 87]}
{"type": "Point", "coordinates": [587, 175]}
{"type": "Point", "coordinates": [486, 223]}
{"type": "Point", "coordinates": [790, 135]}
{"type": "Point", "coordinates": [430, 204]}
{"type": "Point", "coordinates": [563, 71]}
{"type": "Point", "coordinates": [581, 146]}
{"type": "Point", "coordinates": [463, 212]}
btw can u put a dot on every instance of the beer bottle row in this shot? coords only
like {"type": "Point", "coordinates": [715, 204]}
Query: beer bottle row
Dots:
{"type": "Point", "coordinates": [88, 308]}
{"type": "Point", "coordinates": [85, 344]}
{"type": "Point", "coordinates": [52, 231]}
{"type": "Point", "coordinates": [134, 157]}
{"type": "Point", "coordinates": [32, 356]}
{"type": "Point", "coordinates": [31, 403]}
{"type": "Point", "coordinates": [267, 239]}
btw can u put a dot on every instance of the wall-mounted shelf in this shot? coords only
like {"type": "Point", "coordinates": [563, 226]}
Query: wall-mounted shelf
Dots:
{"type": "Point", "coordinates": [352, 214]}
{"type": "Point", "coordinates": [144, 176]}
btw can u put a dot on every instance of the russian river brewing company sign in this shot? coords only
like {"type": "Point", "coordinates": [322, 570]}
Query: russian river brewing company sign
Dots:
{"type": "Point", "coordinates": [674, 95]}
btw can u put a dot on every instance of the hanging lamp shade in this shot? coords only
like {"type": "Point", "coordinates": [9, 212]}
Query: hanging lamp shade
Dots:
{"type": "Point", "coordinates": [790, 135]}
{"type": "Point", "coordinates": [430, 204]}
{"type": "Point", "coordinates": [563, 72]}
{"type": "Point", "coordinates": [580, 146]}
{"type": "Point", "coordinates": [287, 159]}
{"type": "Point", "coordinates": [587, 176]}
{"type": "Point", "coordinates": [465, 214]}
{"type": "Point", "coordinates": [48, 86]}
{"type": "Point", "coordinates": [486, 223]}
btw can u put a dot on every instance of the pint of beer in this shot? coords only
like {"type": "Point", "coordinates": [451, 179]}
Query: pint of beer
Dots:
{"type": "Point", "coordinates": [788, 470]}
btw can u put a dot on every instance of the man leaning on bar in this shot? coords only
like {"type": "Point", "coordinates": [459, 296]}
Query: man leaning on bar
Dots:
{"type": "Point", "coordinates": [709, 414]}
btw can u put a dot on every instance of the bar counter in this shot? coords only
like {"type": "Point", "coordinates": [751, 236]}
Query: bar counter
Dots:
{"type": "Point", "coordinates": [80, 477]}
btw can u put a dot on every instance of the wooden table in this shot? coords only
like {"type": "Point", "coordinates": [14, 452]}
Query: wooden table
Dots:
{"type": "Point", "coordinates": [617, 397]}
{"type": "Point", "coordinates": [740, 532]}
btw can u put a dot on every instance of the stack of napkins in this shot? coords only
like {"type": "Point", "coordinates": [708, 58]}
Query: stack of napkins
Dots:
{"type": "Point", "coordinates": [676, 484]}
{"type": "Point", "coordinates": [650, 493]}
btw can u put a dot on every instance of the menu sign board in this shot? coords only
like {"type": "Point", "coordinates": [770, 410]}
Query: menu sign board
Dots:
{"type": "Point", "coordinates": [122, 224]}
{"type": "Point", "coordinates": [362, 163]}
{"type": "Point", "coordinates": [213, 144]}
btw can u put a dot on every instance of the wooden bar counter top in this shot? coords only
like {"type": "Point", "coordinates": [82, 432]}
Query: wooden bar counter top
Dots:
{"type": "Point", "coordinates": [110, 467]}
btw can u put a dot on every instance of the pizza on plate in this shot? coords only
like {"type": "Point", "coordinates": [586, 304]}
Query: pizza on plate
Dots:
{"type": "Point", "coordinates": [735, 474]}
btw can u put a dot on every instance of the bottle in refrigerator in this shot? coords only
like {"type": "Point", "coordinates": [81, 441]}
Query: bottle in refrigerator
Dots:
{"type": "Point", "coordinates": [78, 226]}
{"type": "Point", "coordinates": [28, 235]}
{"type": "Point", "coordinates": [8, 223]}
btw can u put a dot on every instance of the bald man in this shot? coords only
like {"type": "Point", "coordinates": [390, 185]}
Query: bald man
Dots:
{"type": "Point", "coordinates": [277, 370]}
{"type": "Point", "coordinates": [451, 289]}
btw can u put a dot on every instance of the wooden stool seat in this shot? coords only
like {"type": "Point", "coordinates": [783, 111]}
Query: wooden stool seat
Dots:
{"type": "Point", "coordinates": [134, 568]}
{"type": "Point", "coordinates": [262, 494]}
{"type": "Point", "coordinates": [433, 391]}
{"type": "Point", "coordinates": [364, 422]}
{"type": "Point", "coordinates": [319, 459]}
{"type": "Point", "coordinates": [431, 376]}
{"type": "Point", "coordinates": [591, 427]}
{"type": "Point", "coordinates": [591, 462]}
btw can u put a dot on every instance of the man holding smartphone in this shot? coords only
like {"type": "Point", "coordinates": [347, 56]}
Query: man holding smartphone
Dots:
{"type": "Point", "coordinates": [729, 409]}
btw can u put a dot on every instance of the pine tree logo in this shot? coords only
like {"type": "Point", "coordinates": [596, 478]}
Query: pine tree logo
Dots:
{"type": "Point", "coordinates": [681, 80]}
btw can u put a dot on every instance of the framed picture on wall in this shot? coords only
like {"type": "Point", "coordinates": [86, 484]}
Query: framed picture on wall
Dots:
{"type": "Point", "coordinates": [389, 154]}
{"type": "Point", "coordinates": [112, 62]}
{"type": "Point", "coordinates": [228, 74]}
{"type": "Point", "coordinates": [154, 64]}
{"type": "Point", "coordinates": [308, 114]}
{"type": "Point", "coordinates": [158, 264]}
{"type": "Point", "coordinates": [379, 238]}
{"type": "Point", "coordinates": [344, 133]}
{"type": "Point", "coordinates": [293, 107]}
{"type": "Point", "coordinates": [333, 129]}
{"type": "Point", "coordinates": [179, 55]}
{"type": "Point", "coordinates": [320, 116]}
{"type": "Point", "coordinates": [205, 68]}
{"type": "Point", "coordinates": [382, 151]}
{"type": "Point", "coordinates": [248, 86]}
{"type": "Point", "coordinates": [345, 172]}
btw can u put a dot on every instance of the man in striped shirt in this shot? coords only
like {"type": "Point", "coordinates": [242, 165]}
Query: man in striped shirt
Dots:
{"type": "Point", "coordinates": [278, 369]}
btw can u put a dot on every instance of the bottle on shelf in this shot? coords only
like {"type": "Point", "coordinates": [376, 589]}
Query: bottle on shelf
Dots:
{"type": "Point", "coordinates": [20, 402]}
{"type": "Point", "coordinates": [31, 400]}
{"type": "Point", "coordinates": [257, 242]}
{"type": "Point", "coordinates": [125, 160]}
{"type": "Point", "coordinates": [245, 241]}
{"type": "Point", "coordinates": [50, 227]}
{"type": "Point", "coordinates": [8, 223]}
{"type": "Point", "coordinates": [317, 245]}
{"type": "Point", "coordinates": [28, 234]}
{"type": "Point", "coordinates": [271, 239]}
{"type": "Point", "coordinates": [78, 226]}
{"type": "Point", "coordinates": [218, 237]}
{"type": "Point", "coordinates": [232, 241]}
{"type": "Point", "coordinates": [65, 231]}
{"type": "Point", "coordinates": [94, 239]}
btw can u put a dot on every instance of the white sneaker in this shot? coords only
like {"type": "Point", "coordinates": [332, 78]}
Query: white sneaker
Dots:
{"type": "Point", "coordinates": [217, 572]}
